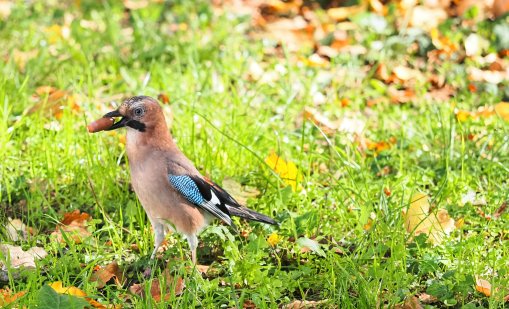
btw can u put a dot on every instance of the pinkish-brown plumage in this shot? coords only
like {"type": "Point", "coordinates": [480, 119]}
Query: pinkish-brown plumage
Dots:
{"type": "Point", "coordinates": [170, 189]}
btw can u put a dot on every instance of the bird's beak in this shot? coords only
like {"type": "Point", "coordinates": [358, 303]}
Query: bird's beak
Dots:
{"type": "Point", "coordinates": [119, 124]}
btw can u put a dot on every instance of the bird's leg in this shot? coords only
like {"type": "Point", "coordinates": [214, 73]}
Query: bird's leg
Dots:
{"type": "Point", "coordinates": [193, 244]}
{"type": "Point", "coordinates": [158, 238]}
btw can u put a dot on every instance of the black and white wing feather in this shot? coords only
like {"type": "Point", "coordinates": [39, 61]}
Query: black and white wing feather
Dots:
{"type": "Point", "coordinates": [214, 199]}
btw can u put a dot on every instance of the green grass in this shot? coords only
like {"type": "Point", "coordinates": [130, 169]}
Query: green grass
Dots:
{"type": "Point", "coordinates": [228, 124]}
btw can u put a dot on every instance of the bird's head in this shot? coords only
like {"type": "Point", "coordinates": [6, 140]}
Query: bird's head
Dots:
{"type": "Point", "coordinates": [139, 113]}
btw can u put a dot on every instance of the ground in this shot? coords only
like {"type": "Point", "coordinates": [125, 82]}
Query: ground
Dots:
{"type": "Point", "coordinates": [342, 135]}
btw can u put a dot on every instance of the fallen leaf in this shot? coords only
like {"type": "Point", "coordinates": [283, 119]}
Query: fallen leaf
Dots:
{"type": "Point", "coordinates": [404, 73]}
{"type": "Point", "coordinates": [74, 226]}
{"type": "Point", "coordinates": [203, 268]}
{"type": "Point", "coordinates": [410, 302]}
{"type": "Point", "coordinates": [342, 13]}
{"type": "Point", "coordinates": [77, 216]}
{"type": "Point", "coordinates": [401, 96]}
{"type": "Point", "coordinates": [105, 274]}
{"type": "Point", "coordinates": [427, 299]}
{"type": "Point", "coordinates": [16, 230]}
{"type": "Point", "coordinates": [419, 220]}
{"type": "Point", "coordinates": [239, 192]}
{"type": "Point", "coordinates": [52, 101]}
{"type": "Point", "coordinates": [500, 210]}
{"type": "Point", "coordinates": [327, 126]}
{"type": "Point", "coordinates": [59, 288]}
{"type": "Point", "coordinates": [310, 245]}
{"type": "Point", "coordinates": [427, 18]}
{"type": "Point", "coordinates": [274, 239]}
{"type": "Point", "coordinates": [489, 76]}
{"type": "Point", "coordinates": [19, 258]}
{"type": "Point", "coordinates": [483, 286]}
{"type": "Point", "coordinates": [155, 288]}
{"type": "Point", "coordinates": [163, 98]}
{"type": "Point", "coordinates": [287, 170]}
{"type": "Point", "coordinates": [301, 304]}
{"type": "Point", "coordinates": [278, 7]}
{"type": "Point", "coordinates": [8, 297]}
{"type": "Point", "coordinates": [502, 109]}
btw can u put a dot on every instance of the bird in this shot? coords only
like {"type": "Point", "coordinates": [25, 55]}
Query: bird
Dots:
{"type": "Point", "coordinates": [173, 193]}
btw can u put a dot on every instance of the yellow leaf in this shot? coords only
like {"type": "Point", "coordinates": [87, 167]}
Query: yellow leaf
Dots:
{"type": "Point", "coordinates": [274, 239]}
{"type": "Point", "coordinates": [502, 109]}
{"type": "Point", "coordinates": [286, 170]}
{"type": "Point", "coordinates": [59, 288]}
{"type": "Point", "coordinates": [418, 220]}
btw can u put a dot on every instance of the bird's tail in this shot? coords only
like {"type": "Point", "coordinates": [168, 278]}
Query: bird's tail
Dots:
{"type": "Point", "coordinates": [249, 214]}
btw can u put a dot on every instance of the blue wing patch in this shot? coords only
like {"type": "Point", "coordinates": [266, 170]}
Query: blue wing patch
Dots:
{"type": "Point", "coordinates": [201, 194]}
{"type": "Point", "coordinates": [187, 187]}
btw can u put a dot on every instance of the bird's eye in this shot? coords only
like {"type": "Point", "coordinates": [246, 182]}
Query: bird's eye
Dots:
{"type": "Point", "coordinates": [138, 111]}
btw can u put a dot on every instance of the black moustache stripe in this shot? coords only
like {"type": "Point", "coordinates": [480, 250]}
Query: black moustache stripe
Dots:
{"type": "Point", "coordinates": [135, 124]}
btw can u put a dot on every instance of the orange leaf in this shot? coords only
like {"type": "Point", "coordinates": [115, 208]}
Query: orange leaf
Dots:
{"type": "Point", "coordinates": [483, 286]}
{"type": "Point", "coordinates": [105, 274]}
{"type": "Point", "coordinates": [163, 98]}
{"type": "Point", "coordinates": [76, 215]}
{"type": "Point", "coordinates": [7, 297]}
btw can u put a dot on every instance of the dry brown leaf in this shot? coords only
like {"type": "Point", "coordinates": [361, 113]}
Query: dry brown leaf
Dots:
{"type": "Point", "coordinates": [483, 286]}
{"type": "Point", "coordinates": [489, 76]}
{"type": "Point", "coordinates": [203, 268]}
{"type": "Point", "coordinates": [419, 220]}
{"type": "Point", "coordinates": [105, 274]}
{"type": "Point", "coordinates": [19, 258]}
{"type": "Point", "coordinates": [52, 101]}
{"type": "Point", "coordinates": [327, 126]}
{"type": "Point", "coordinates": [8, 297]}
{"type": "Point", "coordinates": [301, 304]}
{"type": "Point", "coordinates": [427, 299]}
{"type": "Point", "coordinates": [405, 73]}
{"type": "Point", "coordinates": [401, 96]}
{"type": "Point", "coordinates": [278, 7]}
{"type": "Point", "coordinates": [73, 226]}
{"type": "Point", "coordinates": [16, 230]}
{"type": "Point", "coordinates": [410, 303]}
{"type": "Point", "coordinates": [500, 210]}
{"type": "Point", "coordinates": [294, 33]}
{"type": "Point", "coordinates": [155, 288]}
{"type": "Point", "coordinates": [77, 216]}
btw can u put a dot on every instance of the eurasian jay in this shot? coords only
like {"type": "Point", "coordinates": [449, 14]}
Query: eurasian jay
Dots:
{"type": "Point", "coordinates": [171, 190]}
